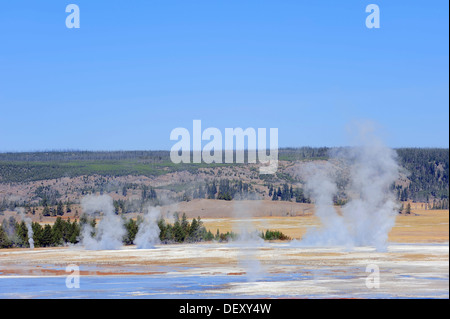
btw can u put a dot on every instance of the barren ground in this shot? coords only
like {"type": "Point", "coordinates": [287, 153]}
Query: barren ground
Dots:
{"type": "Point", "coordinates": [415, 265]}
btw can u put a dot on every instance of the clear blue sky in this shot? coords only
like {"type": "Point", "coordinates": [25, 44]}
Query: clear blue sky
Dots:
{"type": "Point", "coordinates": [135, 70]}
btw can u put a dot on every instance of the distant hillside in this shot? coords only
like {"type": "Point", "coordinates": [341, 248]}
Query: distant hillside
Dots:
{"type": "Point", "coordinates": [426, 170]}
{"type": "Point", "coordinates": [428, 173]}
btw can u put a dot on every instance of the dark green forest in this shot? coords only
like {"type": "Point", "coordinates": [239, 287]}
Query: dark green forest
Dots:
{"type": "Point", "coordinates": [428, 173]}
{"type": "Point", "coordinates": [14, 234]}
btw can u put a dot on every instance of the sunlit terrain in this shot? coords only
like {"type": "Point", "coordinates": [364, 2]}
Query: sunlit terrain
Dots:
{"type": "Point", "coordinates": [414, 265]}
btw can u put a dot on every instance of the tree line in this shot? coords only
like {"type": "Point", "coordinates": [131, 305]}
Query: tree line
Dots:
{"type": "Point", "coordinates": [15, 234]}
{"type": "Point", "coordinates": [288, 193]}
{"type": "Point", "coordinates": [223, 189]}
{"type": "Point", "coordinates": [63, 232]}
{"type": "Point", "coordinates": [428, 174]}
{"type": "Point", "coordinates": [427, 171]}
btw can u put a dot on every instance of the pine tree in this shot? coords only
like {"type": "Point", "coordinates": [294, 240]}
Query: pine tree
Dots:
{"type": "Point", "coordinates": [408, 209]}
{"type": "Point", "coordinates": [46, 236]}
{"type": "Point", "coordinates": [37, 234]}
{"type": "Point", "coordinates": [178, 233]}
{"type": "Point", "coordinates": [22, 235]}
{"type": "Point", "coordinates": [46, 211]}
{"type": "Point", "coordinates": [162, 230]}
{"type": "Point", "coordinates": [185, 226]}
{"type": "Point", "coordinates": [193, 230]}
{"type": "Point", "coordinates": [132, 229]}
{"type": "Point", "coordinates": [75, 232]}
{"type": "Point", "coordinates": [217, 237]}
{"type": "Point", "coordinates": [57, 232]}
{"type": "Point", "coordinates": [60, 209]}
{"type": "Point", "coordinates": [4, 240]}
{"type": "Point", "coordinates": [274, 197]}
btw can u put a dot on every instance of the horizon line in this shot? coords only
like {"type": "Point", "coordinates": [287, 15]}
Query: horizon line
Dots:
{"type": "Point", "coordinates": [165, 150]}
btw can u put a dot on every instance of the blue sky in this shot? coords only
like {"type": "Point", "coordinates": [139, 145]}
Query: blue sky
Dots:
{"type": "Point", "coordinates": [135, 70]}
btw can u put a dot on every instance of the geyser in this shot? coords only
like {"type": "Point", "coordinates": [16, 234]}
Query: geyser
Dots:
{"type": "Point", "coordinates": [28, 224]}
{"type": "Point", "coordinates": [148, 232]}
{"type": "Point", "coordinates": [370, 212]}
{"type": "Point", "coordinates": [110, 230]}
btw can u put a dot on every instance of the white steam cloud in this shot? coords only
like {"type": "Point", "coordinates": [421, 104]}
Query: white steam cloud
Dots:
{"type": "Point", "coordinates": [110, 230]}
{"type": "Point", "coordinates": [370, 213]}
{"type": "Point", "coordinates": [148, 234]}
{"type": "Point", "coordinates": [322, 186]}
{"type": "Point", "coordinates": [248, 241]}
{"type": "Point", "coordinates": [28, 224]}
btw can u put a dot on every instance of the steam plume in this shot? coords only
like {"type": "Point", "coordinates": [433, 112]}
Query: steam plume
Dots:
{"type": "Point", "coordinates": [28, 224]}
{"type": "Point", "coordinates": [148, 233]}
{"type": "Point", "coordinates": [321, 185]}
{"type": "Point", "coordinates": [110, 231]}
{"type": "Point", "coordinates": [370, 212]}
{"type": "Point", "coordinates": [248, 240]}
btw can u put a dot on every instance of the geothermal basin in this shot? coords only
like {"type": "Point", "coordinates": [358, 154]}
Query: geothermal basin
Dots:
{"type": "Point", "coordinates": [414, 265]}
{"type": "Point", "coordinates": [218, 270]}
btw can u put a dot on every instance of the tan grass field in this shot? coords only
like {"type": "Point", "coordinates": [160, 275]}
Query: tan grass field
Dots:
{"type": "Point", "coordinates": [415, 264]}
{"type": "Point", "coordinates": [293, 219]}
{"type": "Point", "coordinates": [426, 227]}
{"type": "Point", "coordinates": [422, 226]}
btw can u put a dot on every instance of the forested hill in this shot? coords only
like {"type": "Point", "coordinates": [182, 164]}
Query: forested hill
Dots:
{"type": "Point", "coordinates": [428, 173]}
{"type": "Point", "coordinates": [427, 168]}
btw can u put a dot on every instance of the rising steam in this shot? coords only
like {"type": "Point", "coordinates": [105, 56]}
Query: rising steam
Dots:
{"type": "Point", "coordinates": [110, 231]}
{"type": "Point", "coordinates": [148, 234]}
{"type": "Point", "coordinates": [321, 184]}
{"type": "Point", "coordinates": [248, 241]}
{"type": "Point", "coordinates": [28, 224]}
{"type": "Point", "coordinates": [370, 213]}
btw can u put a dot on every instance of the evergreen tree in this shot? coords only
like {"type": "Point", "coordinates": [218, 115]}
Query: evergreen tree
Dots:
{"type": "Point", "coordinates": [46, 211]}
{"type": "Point", "coordinates": [75, 232]}
{"type": "Point", "coordinates": [163, 235]}
{"type": "Point", "coordinates": [208, 236]}
{"type": "Point", "coordinates": [275, 196]}
{"type": "Point", "coordinates": [60, 209]}
{"type": "Point", "coordinates": [57, 232]}
{"type": "Point", "coordinates": [46, 239]}
{"type": "Point", "coordinates": [193, 230]}
{"type": "Point", "coordinates": [68, 208]}
{"type": "Point", "coordinates": [185, 226]}
{"type": "Point", "coordinates": [217, 237]}
{"type": "Point", "coordinates": [178, 233]}
{"type": "Point", "coordinates": [4, 240]}
{"type": "Point", "coordinates": [37, 234]}
{"type": "Point", "coordinates": [170, 237]}
{"type": "Point", "coordinates": [132, 228]}
{"type": "Point", "coordinates": [408, 209]}
{"type": "Point", "coordinates": [22, 235]}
